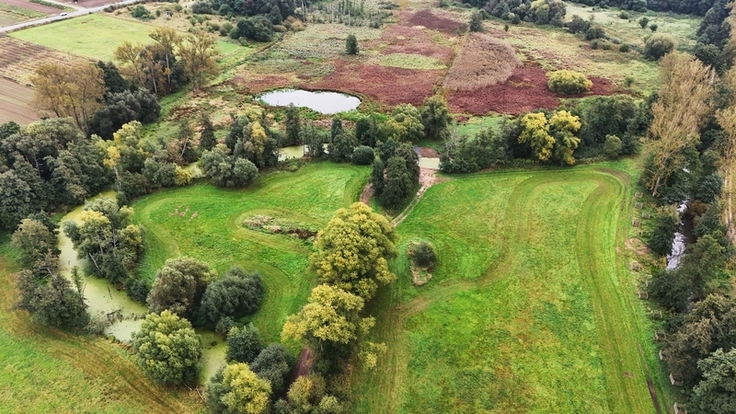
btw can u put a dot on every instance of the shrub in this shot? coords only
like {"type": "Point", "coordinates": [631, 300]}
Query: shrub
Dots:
{"type": "Point", "coordinates": [624, 48]}
{"type": "Point", "coordinates": [140, 12]}
{"type": "Point", "coordinates": [568, 82]}
{"type": "Point", "coordinates": [476, 22]}
{"type": "Point", "coordinates": [653, 27]}
{"type": "Point", "coordinates": [351, 45]}
{"type": "Point", "coordinates": [658, 46]}
{"type": "Point", "coordinates": [643, 22]}
{"type": "Point", "coordinates": [623, 15]}
{"type": "Point", "coordinates": [612, 146]}
{"type": "Point", "coordinates": [363, 155]}
{"type": "Point", "coordinates": [423, 254]}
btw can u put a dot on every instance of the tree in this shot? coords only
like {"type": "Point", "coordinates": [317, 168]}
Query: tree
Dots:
{"type": "Point", "coordinates": [568, 82]}
{"type": "Point", "coordinates": [716, 393]}
{"type": "Point", "coordinates": [435, 117]}
{"type": "Point", "coordinates": [342, 147]}
{"type": "Point", "coordinates": [405, 124]}
{"type": "Point", "coordinates": [660, 238]}
{"type": "Point", "coordinates": [179, 286]}
{"type": "Point", "coordinates": [643, 22]}
{"type": "Point", "coordinates": [207, 139]}
{"type": "Point", "coordinates": [353, 251]}
{"type": "Point", "coordinates": [702, 263]}
{"type": "Point", "coordinates": [105, 237]}
{"type": "Point", "coordinates": [234, 295]}
{"type": "Point", "coordinates": [243, 344]}
{"type": "Point", "coordinates": [398, 185]}
{"type": "Point", "coordinates": [683, 102]}
{"type": "Point", "coordinates": [238, 390]}
{"type": "Point", "coordinates": [168, 349]}
{"type": "Point", "coordinates": [198, 53]}
{"type": "Point", "coordinates": [293, 126]}
{"type": "Point", "coordinates": [69, 90]}
{"type": "Point", "coordinates": [274, 365]}
{"type": "Point", "coordinates": [612, 147]}
{"type": "Point", "coordinates": [658, 45]}
{"type": "Point", "coordinates": [563, 126]}
{"type": "Point", "coordinates": [50, 298]}
{"type": "Point", "coordinates": [330, 318]}
{"type": "Point", "coordinates": [536, 133]}
{"type": "Point", "coordinates": [34, 240]}
{"type": "Point", "coordinates": [167, 40]}
{"type": "Point", "coordinates": [15, 200]}
{"type": "Point", "coordinates": [476, 22]}
{"type": "Point", "coordinates": [351, 45]}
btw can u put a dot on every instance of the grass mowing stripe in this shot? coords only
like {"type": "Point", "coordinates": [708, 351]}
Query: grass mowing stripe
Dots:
{"type": "Point", "coordinates": [555, 242]}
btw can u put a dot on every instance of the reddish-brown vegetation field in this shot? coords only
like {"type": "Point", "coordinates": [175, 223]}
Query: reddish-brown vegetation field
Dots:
{"type": "Point", "coordinates": [387, 85]}
{"type": "Point", "coordinates": [403, 38]}
{"type": "Point", "coordinates": [483, 61]}
{"type": "Point", "coordinates": [15, 103]}
{"type": "Point", "coordinates": [32, 6]}
{"type": "Point", "coordinates": [90, 3]}
{"type": "Point", "coordinates": [525, 90]}
{"type": "Point", "coordinates": [431, 20]}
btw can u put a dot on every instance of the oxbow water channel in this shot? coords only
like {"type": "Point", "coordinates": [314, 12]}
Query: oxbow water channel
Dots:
{"type": "Point", "coordinates": [323, 102]}
{"type": "Point", "coordinates": [125, 314]}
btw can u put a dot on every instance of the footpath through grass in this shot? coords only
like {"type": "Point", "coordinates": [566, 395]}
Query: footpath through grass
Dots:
{"type": "Point", "coordinates": [212, 230]}
{"type": "Point", "coordinates": [531, 307]}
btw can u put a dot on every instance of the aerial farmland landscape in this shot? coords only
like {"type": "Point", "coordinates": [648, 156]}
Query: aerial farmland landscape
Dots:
{"type": "Point", "coordinates": [367, 206]}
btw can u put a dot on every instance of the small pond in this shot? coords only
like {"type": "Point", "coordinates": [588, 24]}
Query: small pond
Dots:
{"type": "Point", "coordinates": [323, 102]}
{"type": "Point", "coordinates": [294, 151]}
{"type": "Point", "coordinates": [102, 298]}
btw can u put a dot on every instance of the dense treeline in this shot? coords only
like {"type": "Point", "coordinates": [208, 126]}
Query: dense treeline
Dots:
{"type": "Point", "coordinates": [688, 158]}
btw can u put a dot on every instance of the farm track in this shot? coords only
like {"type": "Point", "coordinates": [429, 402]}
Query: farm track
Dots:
{"type": "Point", "coordinates": [605, 275]}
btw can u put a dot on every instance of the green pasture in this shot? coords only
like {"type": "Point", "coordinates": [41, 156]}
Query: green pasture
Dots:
{"type": "Point", "coordinates": [215, 234]}
{"type": "Point", "coordinates": [531, 307]}
{"type": "Point", "coordinates": [94, 36]}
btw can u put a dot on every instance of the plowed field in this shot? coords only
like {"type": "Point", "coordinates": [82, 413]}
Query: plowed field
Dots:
{"type": "Point", "coordinates": [14, 103]}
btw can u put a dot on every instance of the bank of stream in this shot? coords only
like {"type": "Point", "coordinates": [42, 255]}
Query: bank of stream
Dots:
{"type": "Point", "coordinates": [125, 315]}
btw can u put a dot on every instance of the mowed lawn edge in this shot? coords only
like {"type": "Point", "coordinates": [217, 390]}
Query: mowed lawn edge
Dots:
{"type": "Point", "coordinates": [619, 335]}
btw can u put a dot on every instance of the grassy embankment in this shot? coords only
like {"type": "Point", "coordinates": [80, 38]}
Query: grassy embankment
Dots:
{"type": "Point", "coordinates": [216, 234]}
{"type": "Point", "coordinates": [531, 308]}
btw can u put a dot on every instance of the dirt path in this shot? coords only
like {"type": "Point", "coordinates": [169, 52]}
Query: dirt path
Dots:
{"type": "Point", "coordinates": [427, 178]}
{"type": "Point", "coordinates": [365, 196]}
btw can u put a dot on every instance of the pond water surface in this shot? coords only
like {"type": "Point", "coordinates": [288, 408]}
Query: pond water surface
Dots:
{"type": "Point", "coordinates": [103, 299]}
{"type": "Point", "coordinates": [323, 102]}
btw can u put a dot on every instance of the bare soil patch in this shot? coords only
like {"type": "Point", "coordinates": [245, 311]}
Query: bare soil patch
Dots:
{"type": "Point", "coordinates": [483, 61]}
{"type": "Point", "coordinates": [388, 85]}
{"type": "Point", "coordinates": [258, 84]}
{"type": "Point", "coordinates": [431, 20]}
{"type": "Point", "coordinates": [19, 59]}
{"type": "Point", "coordinates": [15, 103]}
{"type": "Point", "coordinates": [89, 3]}
{"type": "Point", "coordinates": [32, 6]}
{"type": "Point", "coordinates": [428, 152]}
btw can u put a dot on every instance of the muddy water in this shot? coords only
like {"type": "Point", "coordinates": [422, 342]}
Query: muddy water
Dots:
{"type": "Point", "coordinates": [296, 151]}
{"type": "Point", "coordinates": [679, 242]}
{"type": "Point", "coordinates": [323, 102]}
{"type": "Point", "coordinates": [103, 299]}
{"type": "Point", "coordinates": [431, 163]}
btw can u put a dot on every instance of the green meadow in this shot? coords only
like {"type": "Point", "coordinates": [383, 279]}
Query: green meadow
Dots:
{"type": "Point", "coordinates": [531, 307]}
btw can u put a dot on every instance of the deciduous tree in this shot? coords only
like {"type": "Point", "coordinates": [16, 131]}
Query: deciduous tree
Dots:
{"type": "Point", "coordinates": [353, 251]}
{"type": "Point", "coordinates": [238, 390]}
{"type": "Point", "coordinates": [179, 286]}
{"type": "Point", "coordinates": [198, 53]}
{"type": "Point", "coordinates": [168, 349]}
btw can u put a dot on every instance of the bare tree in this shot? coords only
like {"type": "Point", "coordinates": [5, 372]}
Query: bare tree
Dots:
{"type": "Point", "coordinates": [198, 53]}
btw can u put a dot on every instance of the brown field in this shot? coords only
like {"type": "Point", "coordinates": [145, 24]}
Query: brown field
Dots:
{"type": "Point", "coordinates": [437, 21]}
{"type": "Point", "coordinates": [483, 61]}
{"type": "Point", "coordinates": [32, 6]}
{"type": "Point", "coordinates": [89, 3]}
{"type": "Point", "coordinates": [19, 59]}
{"type": "Point", "coordinates": [404, 38]}
{"type": "Point", "coordinates": [15, 103]}
{"type": "Point", "coordinates": [525, 90]}
{"type": "Point", "coordinates": [387, 85]}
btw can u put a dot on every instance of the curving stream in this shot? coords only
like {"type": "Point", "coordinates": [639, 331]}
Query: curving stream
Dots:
{"type": "Point", "coordinates": [679, 242]}
{"type": "Point", "coordinates": [126, 315]}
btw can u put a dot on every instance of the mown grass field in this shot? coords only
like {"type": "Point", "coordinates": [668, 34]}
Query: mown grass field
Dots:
{"type": "Point", "coordinates": [95, 36]}
{"type": "Point", "coordinates": [531, 307]}
{"type": "Point", "coordinates": [216, 235]}
{"type": "Point", "coordinates": [44, 370]}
